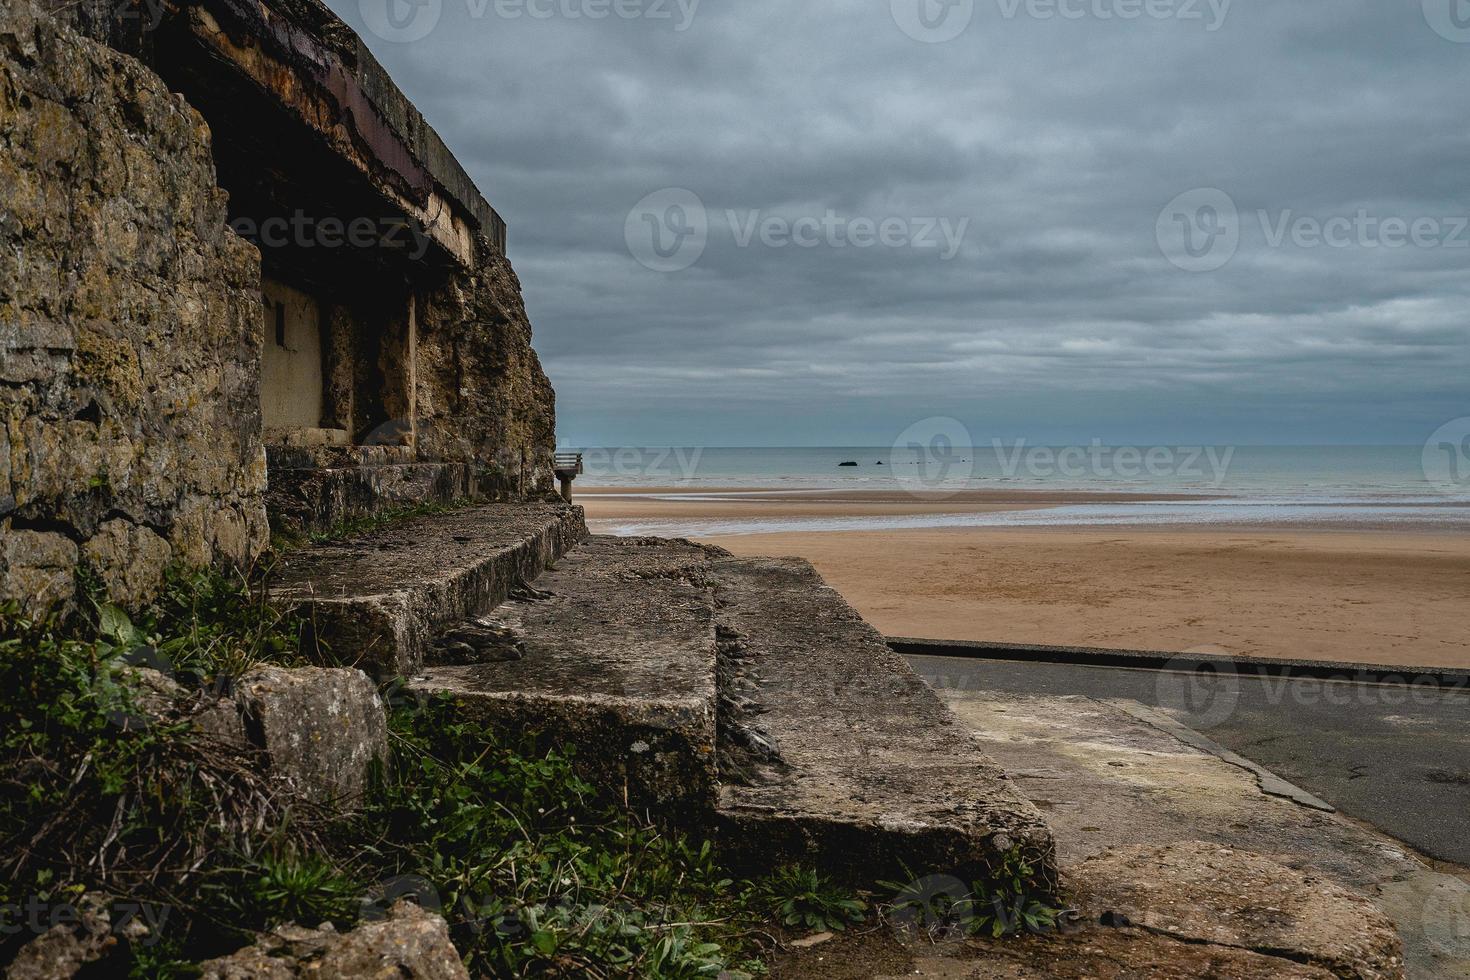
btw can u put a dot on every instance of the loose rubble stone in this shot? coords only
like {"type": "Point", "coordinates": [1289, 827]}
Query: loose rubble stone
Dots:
{"type": "Point", "coordinates": [320, 728]}
{"type": "Point", "coordinates": [63, 950]}
{"type": "Point", "coordinates": [410, 943]}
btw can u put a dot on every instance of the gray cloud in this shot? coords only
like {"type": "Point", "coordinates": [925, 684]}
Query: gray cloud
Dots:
{"type": "Point", "coordinates": [1059, 140]}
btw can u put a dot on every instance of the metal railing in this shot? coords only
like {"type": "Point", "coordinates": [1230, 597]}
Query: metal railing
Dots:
{"type": "Point", "coordinates": [568, 463]}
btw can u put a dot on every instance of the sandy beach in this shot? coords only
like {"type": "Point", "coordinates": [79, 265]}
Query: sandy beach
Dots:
{"type": "Point", "coordinates": [1373, 594]}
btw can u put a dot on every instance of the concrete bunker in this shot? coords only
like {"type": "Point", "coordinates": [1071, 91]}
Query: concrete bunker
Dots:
{"type": "Point", "coordinates": [367, 351]}
{"type": "Point", "coordinates": [369, 234]}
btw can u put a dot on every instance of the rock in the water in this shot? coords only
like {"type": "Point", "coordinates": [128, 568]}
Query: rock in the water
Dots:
{"type": "Point", "coordinates": [320, 728]}
{"type": "Point", "coordinates": [849, 463]}
{"type": "Point", "coordinates": [411, 944]}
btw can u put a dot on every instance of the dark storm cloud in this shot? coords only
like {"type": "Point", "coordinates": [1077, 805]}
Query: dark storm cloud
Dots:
{"type": "Point", "coordinates": [1058, 140]}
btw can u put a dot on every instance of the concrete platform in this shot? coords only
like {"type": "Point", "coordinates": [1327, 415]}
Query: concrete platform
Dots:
{"type": "Point", "coordinates": [612, 652]}
{"type": "Point", "coordinates": [868, 772]}
{"type": "Point", "coordinates": [381, 597]}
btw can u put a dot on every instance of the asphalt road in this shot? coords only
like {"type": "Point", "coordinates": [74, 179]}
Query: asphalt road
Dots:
{"type": "Point", "coordinates": [1395, 756]}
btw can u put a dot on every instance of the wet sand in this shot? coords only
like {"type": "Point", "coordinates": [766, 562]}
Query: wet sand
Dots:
{"type": "Point", "coordinates": [1375, 595]}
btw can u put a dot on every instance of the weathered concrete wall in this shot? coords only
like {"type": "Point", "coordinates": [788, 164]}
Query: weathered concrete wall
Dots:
{"type": "Point", "coordinates": [481, 394]}
{"type": "Point", "coordinates": [129, 327]}
{"type": "Point", "coordinates": [291, 363]}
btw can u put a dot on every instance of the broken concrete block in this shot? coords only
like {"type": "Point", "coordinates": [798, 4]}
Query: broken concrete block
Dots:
{"type": "Point", "coordinates": [410, 943]}
{"type": "Point", "coordinates": [844, 756]}
{"type": "Point", "coordinates": [1203, 894]}
{"type": "Point", "coordinates": [320, 728]}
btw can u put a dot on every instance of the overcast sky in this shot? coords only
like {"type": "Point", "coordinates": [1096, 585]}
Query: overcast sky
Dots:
{"type": "Point", "coordinates": [868, 213]}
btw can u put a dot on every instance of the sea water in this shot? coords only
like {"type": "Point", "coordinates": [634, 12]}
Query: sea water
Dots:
{"type": "Point", "coordinates": [1321, 485]}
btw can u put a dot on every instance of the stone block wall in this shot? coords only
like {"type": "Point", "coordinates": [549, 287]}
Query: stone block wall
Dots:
{"type": "Point", "coordinates": [129, 328]}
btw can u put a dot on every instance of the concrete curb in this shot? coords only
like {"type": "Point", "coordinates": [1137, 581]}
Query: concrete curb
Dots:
{"type": "Point", "coordinates": [1435, 677]}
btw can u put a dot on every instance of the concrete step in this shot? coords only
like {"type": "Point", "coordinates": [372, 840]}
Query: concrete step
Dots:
{"type": "Point", "coordinates": [845, 756]}
{"type": "Point", "coordinates": [612, 652]}
{"type": "Point", "coordinates": [381, 597]}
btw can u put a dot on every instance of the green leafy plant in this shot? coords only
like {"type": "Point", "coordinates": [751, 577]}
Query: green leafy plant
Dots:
{"type": "Point", "coordinates": [535, 872]}
{"type": "Point", "coordinates": [291, 887]}
{"type": "Point", "coordinates": [800, 897]}
{"type": "Point", "coordinates": [1006, 904]}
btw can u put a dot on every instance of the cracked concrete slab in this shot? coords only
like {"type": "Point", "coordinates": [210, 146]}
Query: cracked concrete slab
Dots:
{"type": "Point", "coordinates": [1109, 776]}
